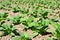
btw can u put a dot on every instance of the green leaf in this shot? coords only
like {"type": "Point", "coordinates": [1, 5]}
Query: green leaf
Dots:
{"type": "Point", "coordinates": [3, 15]}
{"type": "Point", "coordinates": [30, 19]}
{"type": "Point", "coordinates": [49, 38]}
{"type": "Point", "coordinates": [34, 34]}
{"type": "Point", "coordinates": [14, 19]}
{"type": "Point", "coordinates": [47, 22]}
{"type": "Point", "coordinates": [15, 38]}
{"type": "Point", "coordinates": [24, 36]}
{"type": "Point", "coordinates": [1, 28]}
{"type": "Point", "coordinates": [33, 24]}
{"type": "Point", "coordinates": [22, 19]}
{"type": "Point", "coordinates": [12, 34]}
{"type": "Point", "coordinates": [8, 28]}
{"type": "Point", "coordinates": [54, 24]}
{"type": "Point", "coordinates": [16, 9]}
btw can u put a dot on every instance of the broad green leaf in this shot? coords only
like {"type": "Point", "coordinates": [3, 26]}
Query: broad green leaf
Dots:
{"type": "Point", "coordinates": [22, 19]}
{"type": "Point", "coordinates": [1, 28]}
{"type": "Point", "coordinates": [54, 24]}
{"type": "Point", "coordinates": [30, 19]}
{"type": "Point", "coordinates": [31, 24]}
{"type": "Point", "coordinates": [47, 22]}
{"type": "Point", "coordinates": [35, 24]}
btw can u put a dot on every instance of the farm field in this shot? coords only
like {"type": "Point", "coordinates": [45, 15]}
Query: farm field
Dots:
{"type": "Point", "coordinates": [29, 19]}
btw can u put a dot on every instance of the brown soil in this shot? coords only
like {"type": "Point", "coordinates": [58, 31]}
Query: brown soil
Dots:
{"type": "Point", "coordinates": [8, 37]}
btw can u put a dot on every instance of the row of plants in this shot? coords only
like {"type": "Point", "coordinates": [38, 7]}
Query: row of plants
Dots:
{"type": "Point", "coordinates": [11, 4]}
{"type": "Point", "coordinates": [38, 9]}
{"type": "Point", "coordinates": [38, 27]}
